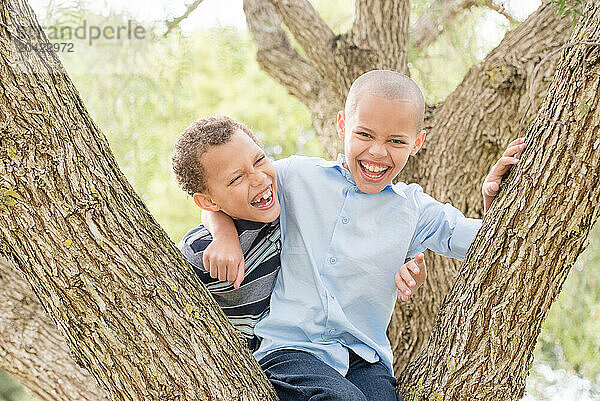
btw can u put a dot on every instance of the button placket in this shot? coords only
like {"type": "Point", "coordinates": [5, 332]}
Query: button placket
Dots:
{"type": "Point", "coordinates": [332, 260]}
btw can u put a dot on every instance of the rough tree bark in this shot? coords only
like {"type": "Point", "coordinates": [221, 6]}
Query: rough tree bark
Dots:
{"type": "Point", "coordinates": [31, 348]}
{"type": "Point", "coordinates": [131, 309]}
{"type": "Point", "coordinates": [485, 334]}
{"type": "Point", "coordinates": [467, 135]}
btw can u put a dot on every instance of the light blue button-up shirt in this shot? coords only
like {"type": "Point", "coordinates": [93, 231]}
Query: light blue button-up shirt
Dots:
{"type": "Point", "coordinates": [341, 250]}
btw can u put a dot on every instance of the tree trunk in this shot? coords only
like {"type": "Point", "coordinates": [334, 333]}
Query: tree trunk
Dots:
{"type": "Point", "coordinates": [33, 351]}
{"type": "Point", "coordinates": [483, 341]}
{"type": "Point", "coordinates": [468, 133]}
{"type": "Point", "coordinates": [131, 309]}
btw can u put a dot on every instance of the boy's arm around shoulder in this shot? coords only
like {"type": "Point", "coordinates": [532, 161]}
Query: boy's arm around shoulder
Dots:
{"type": "Point", "coordinates": [223, 258]}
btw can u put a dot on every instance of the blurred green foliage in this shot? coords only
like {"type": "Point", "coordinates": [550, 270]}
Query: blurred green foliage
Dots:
{"type": "Point", "coordinates": [11, 390]}
{"type": "Point", "coordinates": [143, 93]}
{"type": "Point", "coordinates": [570, 337]}
{"type": "Point", "coordinates": [570, 7]}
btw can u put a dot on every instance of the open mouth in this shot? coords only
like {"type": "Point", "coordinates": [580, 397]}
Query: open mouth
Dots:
{"type": "Point", "coordinates": [264, 200]}
{"type": "Point", "coordinates": [373, 172]}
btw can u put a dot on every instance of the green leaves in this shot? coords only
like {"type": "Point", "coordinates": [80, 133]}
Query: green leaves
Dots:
{"type": "Point", "coordinates": [570, 7]}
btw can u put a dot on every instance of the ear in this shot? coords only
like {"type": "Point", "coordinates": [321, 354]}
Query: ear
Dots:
{"type": "Point", "coordinates": [341, 124]}
{"type": "Point", "coordinates": [418, 143]}
{"type": "Point", "coordinates": [205, 202]}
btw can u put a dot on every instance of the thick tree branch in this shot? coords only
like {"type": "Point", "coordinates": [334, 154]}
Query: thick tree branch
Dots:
{"type": "Point", "coordinates": [280, 60]}
{"type": "Point", "coordinates": [31, 348]}
{"type": "Point", "coordinates": [524, 251]}
{"type": "Point", "coordinates": [276, 55]}
{"type": "Point", "coordinates": [435, 19]}
{"type": "Point", "coordinates": [467, 135]}
{"type": "Point", "coordinates": [173, 23]}
{"type": "Point", "coordinates": [380, 25]}
{"type": "Point", "coordinates": [312, 33]}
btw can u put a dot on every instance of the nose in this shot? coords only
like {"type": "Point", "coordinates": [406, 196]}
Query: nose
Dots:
{"type": "Point", "coordinates": [257, 178]}
{"type": "Point", "coordinates": [377, 149]}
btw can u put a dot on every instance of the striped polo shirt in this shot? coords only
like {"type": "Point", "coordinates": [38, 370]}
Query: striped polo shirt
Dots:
{"type": "Point", "coordinates": [261, 245]}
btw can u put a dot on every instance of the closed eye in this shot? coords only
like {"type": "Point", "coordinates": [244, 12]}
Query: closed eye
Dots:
{"type": "Point", "coordinates": [260, 159]}
{"type": "Point", "coordinates": [235, 180]}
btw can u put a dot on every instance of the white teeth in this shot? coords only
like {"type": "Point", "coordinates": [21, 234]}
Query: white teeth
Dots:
{"type": "Point", "coordinates": [266, 195]}
{"type": "Point", "coordinates": [374, 169]}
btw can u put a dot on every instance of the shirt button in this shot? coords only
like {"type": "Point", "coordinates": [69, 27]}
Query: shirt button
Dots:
{"type": "Point", "coordinates": [331, 331]}
{"type": "Point", "coordinates": [345, 220]}
{"type": "Point", "coordinates": [332, 260]}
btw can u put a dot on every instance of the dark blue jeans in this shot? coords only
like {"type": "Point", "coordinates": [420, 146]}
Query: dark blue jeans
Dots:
{"type": "Point", "coordinates": [298, 375]}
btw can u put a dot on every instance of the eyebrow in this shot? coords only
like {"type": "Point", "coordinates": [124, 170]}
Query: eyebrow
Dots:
{"type": "Point", "coordinates": [234, 173]}
{"type": "Point", "coordinates": [361, 128]}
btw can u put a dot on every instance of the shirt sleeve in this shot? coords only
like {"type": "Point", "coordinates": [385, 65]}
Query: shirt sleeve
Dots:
{"type": "Point", "coordinates": [281, 169]}
{"type": "Point", "coordinates": [442, 228]}
{"type": "Point", "coordinates": [193, 244]}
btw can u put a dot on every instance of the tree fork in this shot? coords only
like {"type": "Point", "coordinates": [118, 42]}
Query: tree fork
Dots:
{"type": "Point", "coordinates": [529, 240]}
{"type": "Point", "coordinates": [131, 309]}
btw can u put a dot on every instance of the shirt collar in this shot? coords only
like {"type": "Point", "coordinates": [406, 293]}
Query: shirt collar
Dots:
{"type": "Point", "coordinates": [243, 225]}
{"type": "Point", "coordinates": [338, 164]}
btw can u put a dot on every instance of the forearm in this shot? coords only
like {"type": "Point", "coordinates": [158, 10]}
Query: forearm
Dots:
{"type": "Point", "coordinates": [219, 224]}
{"type": "Point", "coordinates": [223, 258]}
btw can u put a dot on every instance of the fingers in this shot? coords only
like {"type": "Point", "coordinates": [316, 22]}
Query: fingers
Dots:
{"type": "Point", "coordinates": [516, 142]}
{"type": "Point", "coordinates": [404, 282]}
{"type": "Point", "coordinates": [222, 272]}
{"type": "Point", "coordinates": [504, 163]}
{"type": "Point", "coordinates": [407, 274]}
{"type": "Point", "coordinates": [206, 264]}
{"type": "Point", "coordinates": [232, 271]}
{"type": "Point", "coordinates": [412, 267]}
{"type": "Point", "coordinates": [418, 263]}
{"type": "Point", "coordinates": [240, 275]}
{"type": "Point", "coordinates": [223, 269]}
{"type": "Point", "coordinates": [501, 168]}
{"type": "Point", "coordinates": [226, 269]}
{"type": "Point", "coordinates": [491, 188]}
{"type": "Point", "coordinates": [514, 150]}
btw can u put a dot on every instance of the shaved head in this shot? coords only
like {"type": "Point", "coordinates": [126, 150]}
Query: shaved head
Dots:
{"type": "Point", "coordinates": [390, 85]}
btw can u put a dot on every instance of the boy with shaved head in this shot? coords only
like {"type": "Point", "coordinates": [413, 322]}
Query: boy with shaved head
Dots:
{"type": "Point", "coordinates": [345, 227]}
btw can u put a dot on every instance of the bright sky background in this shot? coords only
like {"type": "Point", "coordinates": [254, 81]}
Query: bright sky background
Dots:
{"type": "Point", "coordinates": [230, 13]}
